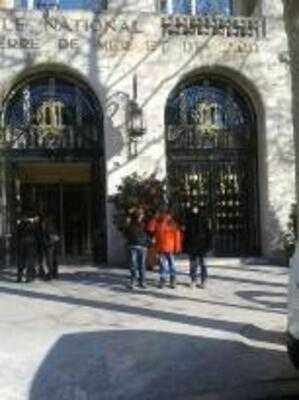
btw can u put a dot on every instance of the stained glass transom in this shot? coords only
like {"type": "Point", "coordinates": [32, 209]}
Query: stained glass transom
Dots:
{"type": "Point", "coordinates": [52, 112]}
{"type": "Point", "coordinates": [209, 114]}
{"type": "Point", "coordinates": [95, 5]}
{"type": "Point", "coordinates": [198, 7]}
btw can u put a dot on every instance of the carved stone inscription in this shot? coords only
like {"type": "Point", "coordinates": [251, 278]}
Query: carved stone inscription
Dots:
{"type": "Point", "coordinates": [59, 22]}
{"type": "Point", "coordinates": [214, 26]}
{"type": "Point", "coordinates": [118, 35]}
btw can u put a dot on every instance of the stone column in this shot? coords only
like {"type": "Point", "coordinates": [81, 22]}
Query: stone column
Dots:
{"type": "Point", "coordinates": [5, 226]}
{"type": "Point", "coordinates": [291, 16]}
{"type": "Point", "coordinates": [2, 208]}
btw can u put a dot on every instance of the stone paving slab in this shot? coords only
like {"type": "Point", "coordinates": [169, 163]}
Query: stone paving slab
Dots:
{"type": "Point", "coordinates": [88, 337]}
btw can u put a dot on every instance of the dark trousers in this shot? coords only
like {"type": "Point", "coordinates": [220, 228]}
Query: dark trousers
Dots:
{"type": "Point", "coordinates": [47, 257]}
{"type": "Point", "coordinates": [26, 258]}
{"type": "Point", "coordinates": [41, 259]}
{"type": "Point", "coordinates": [51, 260]}
{"type": "Point", "coordinates": [137, 262]}
{"type": "Point", "coordinates": [196, 262]}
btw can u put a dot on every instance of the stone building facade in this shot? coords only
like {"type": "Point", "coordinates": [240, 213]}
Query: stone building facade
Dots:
{"type": "Point", "coordinates": [231, 66]}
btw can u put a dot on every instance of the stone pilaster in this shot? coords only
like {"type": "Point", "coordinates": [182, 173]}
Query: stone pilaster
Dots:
{"type": "Point", "coordinates": [291, 16]}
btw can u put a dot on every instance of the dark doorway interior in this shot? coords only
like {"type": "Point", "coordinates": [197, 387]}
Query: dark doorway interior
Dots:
{"type": "Point", "coordinates": [70, 206]}
{"type": "Point", "coordinates": [54, 127]}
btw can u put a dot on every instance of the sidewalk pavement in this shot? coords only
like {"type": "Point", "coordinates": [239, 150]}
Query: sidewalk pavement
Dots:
{"type": "Point", "coordinates": [86, 336]}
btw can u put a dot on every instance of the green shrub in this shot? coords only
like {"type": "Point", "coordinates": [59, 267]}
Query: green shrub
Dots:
{"type": "Point", "coordinates": [290, 235]}
{"type": "Point", "coordinates": [138, 192]}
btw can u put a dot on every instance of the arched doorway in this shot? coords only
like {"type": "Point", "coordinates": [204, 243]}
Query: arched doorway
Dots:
{"type": "Point", "coordinates": [211, 146]}
{"type": "Point", "coordinates": [55, 159]}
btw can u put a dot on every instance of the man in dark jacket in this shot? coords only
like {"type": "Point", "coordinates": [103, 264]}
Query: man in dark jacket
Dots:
{"type": "Point", "coordinates": [138, 241]}
{"type": "Point", "coordinates": [26, 247]}
{"type": "Point", "coordinates": [48, 243]}
{"type": "Point", "coordinates": [196, 244]}
{"type": "Point", "coordinates": [40, 245]}
{"type": "Point", "coordinates": [51, 247]}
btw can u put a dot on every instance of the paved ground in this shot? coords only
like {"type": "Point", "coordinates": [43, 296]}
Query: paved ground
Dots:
{"type": "Point", "coordinates": [87, 337]}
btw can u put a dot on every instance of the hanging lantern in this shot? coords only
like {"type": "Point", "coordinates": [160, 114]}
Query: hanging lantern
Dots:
{"type": "Point", "coordinates": [135, 121]}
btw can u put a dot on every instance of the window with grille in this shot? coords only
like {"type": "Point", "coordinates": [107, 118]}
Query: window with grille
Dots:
{"type": "Point", "coordinates": [95, 5]}
{"type": "Point", "coordinates": [196, 7]}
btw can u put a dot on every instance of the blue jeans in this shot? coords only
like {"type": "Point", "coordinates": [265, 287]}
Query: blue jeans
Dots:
{"type": "Point", "coordinates": [167, 264]}
{"type": "Point", "coordinates": [137, 262]}
{"type": "Point", "coordinates": [196, 261]}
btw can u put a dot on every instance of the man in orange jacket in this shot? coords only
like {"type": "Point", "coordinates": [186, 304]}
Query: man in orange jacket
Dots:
{"type": "Point", "coordinates": [168, 241]}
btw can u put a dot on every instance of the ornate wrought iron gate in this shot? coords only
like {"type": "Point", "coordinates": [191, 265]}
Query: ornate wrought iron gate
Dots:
{"type": "Point", "coordinates": [212, 163]}
{"type": "Point", "coordinates": [52, 120]}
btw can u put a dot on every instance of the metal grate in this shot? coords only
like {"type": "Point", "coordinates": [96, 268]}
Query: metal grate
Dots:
{"type": "Point", "coordinates": [212, 164]}
{"type": "Point", "coordinates": [52, 113]}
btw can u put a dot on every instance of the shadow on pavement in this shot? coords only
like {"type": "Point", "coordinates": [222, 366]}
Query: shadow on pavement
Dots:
{"type": "Point", "coordinates": [88, 277]}
{"type": "Point", "coordinates": [92, 277]}
{"type": "Point", "coordinates": [248, 331]}
{"type": "Point", "coordinates": [8, 275]}
{"type": "Point", "coordinates": [153, 365]}
{"type": "Point", "coordinates": [257, 296]}
{"type": "Point", "coordinates": [166, 296]}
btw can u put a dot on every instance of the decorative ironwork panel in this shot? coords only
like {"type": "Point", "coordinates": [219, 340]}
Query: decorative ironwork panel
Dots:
{"type": "Point", "coordinates": [52, 113]}
{"type": "Point", "coordinates": [212, 164]}
{"type": "Point", "coordinates": [208, 115]}
{"type": "Point", "coordinates": [233, 214]}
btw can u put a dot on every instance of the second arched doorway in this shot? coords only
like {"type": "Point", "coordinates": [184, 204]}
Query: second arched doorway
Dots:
{"type": "Point", "coordinates": [211, 145]}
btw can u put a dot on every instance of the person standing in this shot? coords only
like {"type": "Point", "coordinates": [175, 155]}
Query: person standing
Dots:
{"type": "Point", "coordinates": [51, 247]}
{"type": "Point", "coordinates": [167, 237]}
{"type": "Point", "coordinates": [47, 241]}
{"type": "Point", "coordinates": [26, 248]}
{"type": "Point", "coordinates": [138, 242]}
{"type": "Point", "coordinates": [39, 230]}
{"type": "Point", "coordinates": [196, 244]}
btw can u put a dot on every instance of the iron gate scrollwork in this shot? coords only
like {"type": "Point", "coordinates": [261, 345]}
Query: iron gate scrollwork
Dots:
{"type": "Point", "coordinates": [212, 163]}
{"type": "Point", "coordinates": [48, 114]}
{"type": "Point", "coordinates": [55, 117]}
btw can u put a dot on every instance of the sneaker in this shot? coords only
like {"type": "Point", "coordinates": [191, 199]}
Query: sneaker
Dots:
{"type": "Point", "coordinates": [172, 282]}
{"type": "Point", "coordinates": [132, 284]}
{"type": "Point", "coordinates": [143, 285]}
{"type": "Point", "coordinates": [162, 283]}
{"type": "Point", "coordinates": [201, 285]}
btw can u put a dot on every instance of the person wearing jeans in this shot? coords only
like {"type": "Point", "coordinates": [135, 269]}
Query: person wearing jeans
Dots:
{"type": "Point", "coordinates": [137, 265]}
{"type": "Point", "coordinates": [138, 241]}
{"type": "Point", "coordinates": [167, 265]}
{"type": "Point", "coordinates": [167, 238]}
